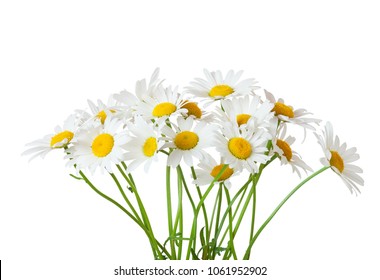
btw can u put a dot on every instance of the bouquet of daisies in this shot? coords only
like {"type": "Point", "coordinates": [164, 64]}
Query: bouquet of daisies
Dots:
{"type": "Point", "coordinates": [218, 128]}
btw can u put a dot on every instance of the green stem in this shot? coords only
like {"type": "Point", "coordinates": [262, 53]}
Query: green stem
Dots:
{"type": "Point", "coordinates": [254, 184]}
{"type": "Point", "coordinates": [246, 255]}
{"type": "Point", "coordinates": [179, 216]}
{"type": "Point", "coordinates": [230, 225]}
{"type": "Point", "coordinates": [191, 244]}
{"type": "Point", "coordinates": [220, 195]}
{"type": "Point", "coordinates": [142, 226]}
{"type": "Point", "coordinates": [170, 215]}
{"type": "Point", "coordinates": [125, 197]}
{"type": "Point", "coordinates": [242, 189]}
{"type": "Point", "coordinates": [203, 206]}
{"type": "Point", "coordinates": [186, 188]}
{"type": "Point", "coordinates": [144, 215]}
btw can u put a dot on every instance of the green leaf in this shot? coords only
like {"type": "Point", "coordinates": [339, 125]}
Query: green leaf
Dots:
{"type": "Point", "coordinates": [76, 177]}
{"type": "Point", "coordinates": [195, 257]}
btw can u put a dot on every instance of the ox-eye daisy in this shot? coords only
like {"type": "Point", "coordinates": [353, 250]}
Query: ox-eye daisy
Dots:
{"type": "Point", "coordinates": [98, 146]}
{"type": "Point", "coordinates": [340, 158]}
{"type": "Point", "coordinates": [166, 103]}
{"type": "Point", "coordinates": [218, 87]}
{"type": "Point", "coordinates": [286, 113]}
{"type": "Point", "coordinates": [60, 139]}
{"type": "Point", "coordinates": [242, 148]}
{"type": "Point", "coordinates": [209, 169]}
{"type": "Point", "coordinates": [143, 145]}
{"type": "Point", "coordinates": [246, 110]}
{"type": "Point", "coordinates": [187, 141]}
{"type": "Point", "coordinates": [282, 147]}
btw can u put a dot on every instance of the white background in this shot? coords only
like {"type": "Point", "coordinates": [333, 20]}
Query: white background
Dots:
{"type": "Point", "coordinates": [320, 55]}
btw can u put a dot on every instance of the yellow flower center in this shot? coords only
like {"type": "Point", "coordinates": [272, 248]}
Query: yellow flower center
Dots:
{"type": "Point", "coordinates": [150, 146]}
{"type": "Point", "coordinates": [227, 173]}
{"type": "Point", "coordinates": [242, 119]}
{"type": "Point", "coordinates": [287, 151]}
{"type": "Point", "coordinates": [58, 138]}
{"type": "Point", "coordinates": [282, 109]}
{"type": "Point", "coordinates": [193, 109]}
{"type": "Point", "coordinates": [102, 145]}
{"type": "Point", "coordinates": [186, 140]}
{"type": "Point", "coordinates": [337, 161]}
{"type": "Point", "coordinates": [164, 109]}
{"type": "Point", "coordinates": [240, 148]}
{"type": "Point", "coordinates": [221, 90]}
{"type": "Point", "coordinates": [102, 115]}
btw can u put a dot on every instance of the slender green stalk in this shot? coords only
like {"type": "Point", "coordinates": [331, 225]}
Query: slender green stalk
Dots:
{"type": "Point", "coordinates": [186, 188]}
{"type": "Point", "coordinates": [125, 197]}
{"type": "Point", "coordinates": [144, 215]}
{"type": "Point", "coordinates": [141, 225]}
{"type": "Point", "coordinates": [254, 184]}
{"type": "Point", "coordinates": [230, 225]}
{"type": "Point", "coordinates": [247, 253]}
{"type": "Point", "coordinates": [203, 206]}
{"type": "Point", "coordinates": [220, 196]}
{"type": "Point", "coordinates": [179, 216]}
{"type": "Point", "coordinates": [242, 191]}
{"type": "Point", "coordinates": [170, 214]}
{"type": "Point", "coordinates": [212, 217]}
{"type": "Point", "coordinates": [191, 244]}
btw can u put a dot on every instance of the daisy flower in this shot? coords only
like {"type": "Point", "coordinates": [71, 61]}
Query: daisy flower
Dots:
{"type": "Point", "coordinates": [101, 110]}
{"type": "Point", "coordinates": [98, 146]}
{"type": "Point", "coordinates": [209, 169]}
{"type": "Point", "coordinates": [242, 148]}
{"type": "Point", "coordinates": [340, 159]}
{"type": "Point", "coordinates": [216, 87]}
{"type": "Point", "coordinates": [287, 114]}
{"type": "Point", "coordinates": [246, 111]}
{"type": "Point", "coordinates": [166, 103]}
{"type": "Point", "coordinates": [282, 147]}
{"type": "Point", "coordinates": [194, 111]}
{"type": "Point", "coordinates": [60, 139]}
{"type": "Point", "coordinates": [143, 145]}
{"type": "Point", "coordinates": [142, 90]}
{"type": "Point", "coordinates": [187, 142]}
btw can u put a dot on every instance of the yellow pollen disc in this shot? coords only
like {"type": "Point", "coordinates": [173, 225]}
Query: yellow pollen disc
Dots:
{"type": "Point", "coordinates": [242, 119]}
{"type": "Point", "coordinates": [150, 146]}
{"type": "Point", "coordinates": [102, 115]}
{"type": "Point", "coordinates": [102, 145]}
{"type": "Point", "coordinates": [164, 109]}
{"type": "Point", "coordinates": [337, 161]}
{"type": "Point", "coordinates": [186, 140]}
{"type": "Point", "coordinates": [193, 109]}
{"type": "Point", "coordinates": [58, 138]}
{"type": "Point", "coordinates": [225, 175]}
{"type": "Point", "coordinates": [221, 90]}
{"type": "Point", "coordinates": [287, 151]}
{"type": "Point", "coordinates": [240, 148]}
{"type": "Point", "coordinates": [282, 109]}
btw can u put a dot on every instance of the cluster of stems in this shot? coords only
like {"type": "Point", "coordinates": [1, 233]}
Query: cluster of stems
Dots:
{"type": "Point", "coordinates": [216, 239]}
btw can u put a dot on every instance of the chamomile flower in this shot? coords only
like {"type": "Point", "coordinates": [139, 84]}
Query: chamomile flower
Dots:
{"type": "Point", "coordinates": [242, 148]}
{"type": "Point", "coordinates": [60, 139]}
{"type": "Point", "coordinates": [194, 111]}
{"type": "Point", "coordinates": [187, 141]}
{"type": "Point", "coordinates": [287, 114]}
{"type": "Point", "coordinates": [166, 103]}
{"type": "Point", "coordinates": [143, 145]}
{"type": "Point", "coordinates": [209, 169]}
{"type": "Point", "coordinates": [98, 146]}
{"type": "Point", "coordinates": [143, 89]}
{"type": "Point", "coordinates": [218, 87]}
{"type": "Point", "coordinates": [340, 159]}
{"type": "Point", "coordinates": [101, 111]}
{"type": "Point", "coordinates": [246, 111]}
{"type": "Point", "coordinates": [282, 147]}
